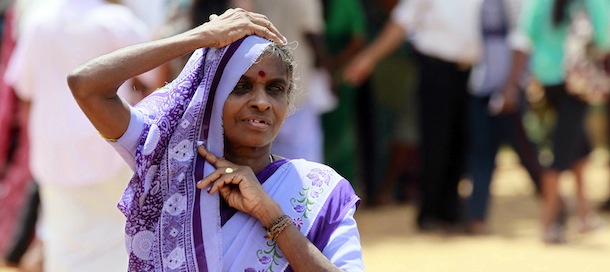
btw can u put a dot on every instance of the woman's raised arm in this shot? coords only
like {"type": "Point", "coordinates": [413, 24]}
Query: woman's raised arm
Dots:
{"type": "Point", "coordinates": [95, 83]}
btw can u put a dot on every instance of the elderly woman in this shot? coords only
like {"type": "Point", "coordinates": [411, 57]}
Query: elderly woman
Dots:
{"type": "Point", "coordinates": [257, 211]}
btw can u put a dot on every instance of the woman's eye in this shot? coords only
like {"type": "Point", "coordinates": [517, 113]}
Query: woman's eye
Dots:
{"type": "Point", "coordinates": [241, 87]}
{"type": "Point", "coordinates": [275, 89]}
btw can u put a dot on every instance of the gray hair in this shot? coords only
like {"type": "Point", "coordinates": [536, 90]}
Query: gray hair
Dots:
{"type": "Point", "coordinates": [283, 53]}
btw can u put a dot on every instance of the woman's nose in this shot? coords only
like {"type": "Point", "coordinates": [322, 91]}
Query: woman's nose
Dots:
{"type": "Point", "coordinates": [260, 99]}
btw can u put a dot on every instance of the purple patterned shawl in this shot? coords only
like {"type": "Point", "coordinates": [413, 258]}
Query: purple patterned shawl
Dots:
{"type": "Point", "coordinates": [162, 205]}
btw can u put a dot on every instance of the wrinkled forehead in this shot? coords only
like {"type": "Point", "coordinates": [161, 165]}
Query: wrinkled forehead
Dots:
{"type": "Point", "coordinates": [281, 56]}
{"type": "Point", "coordinates": [269, 65]}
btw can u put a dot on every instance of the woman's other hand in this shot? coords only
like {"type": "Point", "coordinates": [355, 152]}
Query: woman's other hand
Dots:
{"type": "Point", "coordinates": [233, 25]}
{"type": "Point", "coordinates": [238, 185]}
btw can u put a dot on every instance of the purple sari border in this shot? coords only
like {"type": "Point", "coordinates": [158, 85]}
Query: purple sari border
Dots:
{"type": "Point", "coordinates": [332, 220]}
{"type": "Point", "coordinates": [264, 174]}
{"type": "Point", "coordinates": [221, 66]}
{"type": "Point", "coordinates": [200, 162]}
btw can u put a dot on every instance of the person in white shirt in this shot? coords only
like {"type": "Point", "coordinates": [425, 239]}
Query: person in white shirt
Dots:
{"type": "Point", "coordinates": [80, 176]}
{"type": "Point", "coordinates": [446, 36]}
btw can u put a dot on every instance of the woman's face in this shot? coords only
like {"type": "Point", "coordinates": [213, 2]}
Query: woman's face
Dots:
{"type": "Point", "coordinates": [255, 110]}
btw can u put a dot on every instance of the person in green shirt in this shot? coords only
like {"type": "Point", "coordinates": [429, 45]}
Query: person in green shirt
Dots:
{"type": "Point", "coordinates": [546, 23]}
{"type": "Point", "coordinates": [344, 35]}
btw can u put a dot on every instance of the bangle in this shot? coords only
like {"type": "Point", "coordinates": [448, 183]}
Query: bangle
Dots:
{"type": "Point", "coordinates": [277, 227]}
{"type": "Point", "coordinates": [107, 139]}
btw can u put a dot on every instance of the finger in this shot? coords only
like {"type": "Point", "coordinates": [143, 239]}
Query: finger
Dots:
{"type": "Point", "coordinates": [218, 184]}
{"type": "Point", "coordinates": [217, 162]}
{"type": "Point", "coordinates": [213, 16]}
{"type": "Point", "coordinates": [218, 174]}
{"type": "Point", "coordinates": [264, 32]}
{"type": "Point", "coordinates": [212, 177]}
{"type": "Point", "coordinates": [223, 181]}
{"type": "Point", "coordinates": [208, 156]}
{"type": "Point", "coordinates": [267, 29]}
{"type": "Point", "coordinates": [229, 12]}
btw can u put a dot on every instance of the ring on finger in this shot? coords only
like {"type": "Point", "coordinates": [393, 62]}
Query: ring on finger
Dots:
{"type": "Point", "coordinates": [229, 170]}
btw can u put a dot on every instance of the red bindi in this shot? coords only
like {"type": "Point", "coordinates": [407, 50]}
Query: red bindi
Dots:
{"type": "Point", "coordinates": [261, 73]}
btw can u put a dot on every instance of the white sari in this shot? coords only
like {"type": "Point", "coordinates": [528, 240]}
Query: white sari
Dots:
{"type": "Point", "coordinates": [172, 226]}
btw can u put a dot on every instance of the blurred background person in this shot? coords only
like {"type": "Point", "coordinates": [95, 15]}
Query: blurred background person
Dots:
{"type": "Point", "coordinates": [546, 24]}
{"type": "Point", "coordinates": [490, 126]}
{"type": "Point", "coordinates": [344, 35]}
{"type": "Point", "coordinates": [388, 119]}
{"type": "Point", "coordinates": [16, 185]}
{"type": "Point", "coordinates": [80, 176]}
{"type": "Point", "coordinates": [182, 15]}
{"type": "Point", "coordinates": [152, 12]}
{"type": "Point", "coordinates": [447, 42]}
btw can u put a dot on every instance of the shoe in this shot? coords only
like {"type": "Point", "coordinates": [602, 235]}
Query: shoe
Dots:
{"type": "Point", "coordinates": [455, 228]}
{"type": "Point", "coordinates": [562, 215]}
{"type": "Point", "coordinates": [605, 207]}
{"type": "Point", "coordinates": [428, 225]}
{"type": "Point", "coordinates": [554, 235]}
{"type": "Point", "coordinates": [591, 223]}
{"type": "Point", "coordinates": [476, 227]}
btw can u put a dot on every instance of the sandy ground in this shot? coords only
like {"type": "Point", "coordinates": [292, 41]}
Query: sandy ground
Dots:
{"type": "Point", "coordinates": [390, 242]}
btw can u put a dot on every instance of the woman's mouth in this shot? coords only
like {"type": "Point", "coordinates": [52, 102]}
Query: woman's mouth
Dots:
{"type": "Point", "coordinates": [257, 123]}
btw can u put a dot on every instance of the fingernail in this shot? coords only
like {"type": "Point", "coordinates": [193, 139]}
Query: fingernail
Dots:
{"type": "Point", "coordinates": [199, 143]}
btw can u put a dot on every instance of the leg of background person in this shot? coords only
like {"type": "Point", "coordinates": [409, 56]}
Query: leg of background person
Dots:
{"type": "Point", "coordinates": [401, 178]}
{"type": "Point", "coordinates": [442, 122]}
{"type": "Point", "coordinates": [83, 228]}
{"type": "Point", "coordinates": [574, 147]}
{"type": "Point", "coordinates": [605, 206]}
{"type": "Point", "coordinates": [431, 147]}
{"type": "Point", "coordinates": [26, 229]}
{"type": "Point", "coordinates": [366, 120]}
{"type": "Point", "coordinates": [484, 143]}
{"type": "Point", "coordinates": [407, 138]}
{"type": "Point", "coordinates": [395, 92]}
{"type": "Point", "coordinates": [403, 165]}
{"type": "Point", "coordinates": [570, 145]}
{"type": "Point", "coordinates": [552, 233]}
{"type": "Point", "coordinates": [452, 210]}
{"type": "Point", "coordinates": [583, 210]}
{"type": "Point", "coordinates": [515, 135]}
{"type": "Point", "coordinates": [411, 174]}
{"type": "Point", "coordinates": [386, 191]}
{"type": "Point", "coordinates": [550, 206]}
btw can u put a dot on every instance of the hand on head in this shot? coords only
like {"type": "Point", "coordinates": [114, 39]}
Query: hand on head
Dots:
{"type": "Point", "coordinates": [235, 24]}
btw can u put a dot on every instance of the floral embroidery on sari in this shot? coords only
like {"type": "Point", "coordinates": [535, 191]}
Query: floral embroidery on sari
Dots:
{"type": "Point", "coordinates": [308, 196]}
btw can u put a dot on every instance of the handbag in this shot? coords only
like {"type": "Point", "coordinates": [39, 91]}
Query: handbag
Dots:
{"type": "Point", "coordinates": [586, 75]}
